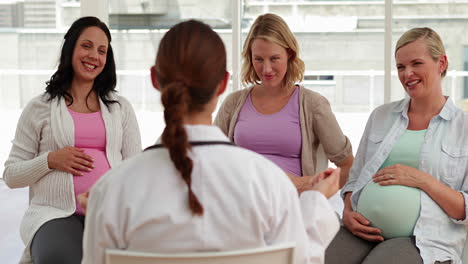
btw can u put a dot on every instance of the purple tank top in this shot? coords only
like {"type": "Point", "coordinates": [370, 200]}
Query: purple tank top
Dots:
{"type": "Point", "coordinates": [276, 136]}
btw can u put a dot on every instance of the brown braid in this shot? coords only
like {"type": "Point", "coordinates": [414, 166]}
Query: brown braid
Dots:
{"type": "Point", "coordinates": [175, 99]}
{"type": "Point", "coordinates": [190, 64]}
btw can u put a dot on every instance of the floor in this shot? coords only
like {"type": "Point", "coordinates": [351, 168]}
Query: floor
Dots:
{"type": "Point", "coordinates": [12, 207]}
{"type": "Point", "coordinates": [14, 204]}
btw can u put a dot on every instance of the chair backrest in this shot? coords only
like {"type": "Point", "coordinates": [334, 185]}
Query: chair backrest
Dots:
{"type": "Point", "coordinates": [276, 254]}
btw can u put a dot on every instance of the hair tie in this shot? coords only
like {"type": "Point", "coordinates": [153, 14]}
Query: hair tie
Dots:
{"type": "Point", "coordinates": [181, 83]}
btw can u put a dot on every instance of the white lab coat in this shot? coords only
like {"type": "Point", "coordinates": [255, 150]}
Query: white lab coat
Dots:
{"type": "Point", "coordinates": [248, 202]}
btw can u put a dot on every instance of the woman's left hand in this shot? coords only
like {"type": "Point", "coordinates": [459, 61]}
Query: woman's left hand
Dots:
{"type": "Point", "coordinates": [400, 175]}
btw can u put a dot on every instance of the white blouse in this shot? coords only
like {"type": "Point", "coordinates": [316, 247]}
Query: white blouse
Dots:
{"type": "Point", "coordinates": [248, 202]}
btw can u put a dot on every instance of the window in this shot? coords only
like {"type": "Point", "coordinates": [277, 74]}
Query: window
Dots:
{"type": "Point", "coordinates": [343, 40]}
{"type": "Point", "coordinates": [448, 18]}
{"type": "Point", "coordinates": [342, 44]}
{"type": "Point", "coordinates": [139, 25]}
{"type": "Point", "coordinates": [31, 34]}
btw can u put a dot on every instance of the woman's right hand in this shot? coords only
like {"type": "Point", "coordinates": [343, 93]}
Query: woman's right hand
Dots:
{"type": "Point", "coordinates": [326, 182]}
{"type": "Point", "coordinates": [70, 159]}
{"type": "Point", "coordinates": [358, 225]}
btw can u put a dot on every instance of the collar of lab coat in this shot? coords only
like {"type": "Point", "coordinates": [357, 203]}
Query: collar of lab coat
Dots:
{"type": "Point", "coordinates": [203, 133]}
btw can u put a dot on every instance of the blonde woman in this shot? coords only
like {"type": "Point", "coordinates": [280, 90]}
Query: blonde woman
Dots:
{"type": "Point", "coordinates": [287, 123]}
{"type": "Point", "coordinates": [405, 201]}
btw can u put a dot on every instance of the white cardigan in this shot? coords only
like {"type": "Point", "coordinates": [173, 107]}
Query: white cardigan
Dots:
{"type": "Point", "coordinates": [46, 126]}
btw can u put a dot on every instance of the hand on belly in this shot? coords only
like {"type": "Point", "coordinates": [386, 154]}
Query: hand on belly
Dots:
{"type": "Point", "coordinates": [393, 209]}
{"type": "Point", "coordinates": [87, 180]}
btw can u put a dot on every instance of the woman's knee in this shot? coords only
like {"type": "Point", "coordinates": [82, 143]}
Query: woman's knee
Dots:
{"type": "Point", "coordinates": [56, 256]}
{"type": "Point", "coordinates": [399, 250]}
{"type": "Point", "coordinates": [347, 248]}
{"type": "Point", "coordinates": [58, 241]}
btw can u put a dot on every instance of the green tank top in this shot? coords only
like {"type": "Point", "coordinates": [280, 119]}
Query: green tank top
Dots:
{"type": "Point", "coordinates": [395, 209]}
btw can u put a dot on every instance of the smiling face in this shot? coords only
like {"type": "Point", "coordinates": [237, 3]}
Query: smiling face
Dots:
{"type": "Point", "coordinates": [418, 72]}
{"type": "Point", "coordinates": [90, 54]}
{"type": "Point", "coordinates": [270, 62]}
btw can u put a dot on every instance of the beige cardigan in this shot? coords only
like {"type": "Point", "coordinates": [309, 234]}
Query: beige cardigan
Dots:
{"type": "Point", "coordinates": [322, 138]}
{"type": "Point", "coordinates": [48, 126]}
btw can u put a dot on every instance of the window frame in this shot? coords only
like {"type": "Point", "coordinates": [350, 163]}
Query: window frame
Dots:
{"type": "Point", "coordinates": [100, 10]}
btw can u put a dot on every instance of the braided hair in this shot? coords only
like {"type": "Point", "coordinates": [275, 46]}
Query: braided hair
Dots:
{"type": "Point", "coordinates": [190, 63]}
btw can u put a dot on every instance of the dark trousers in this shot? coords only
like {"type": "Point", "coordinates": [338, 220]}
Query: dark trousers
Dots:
{"type": "Point", "coordinates": [348, 248]}
{"type": "Point", "coordinates": [59, 241]}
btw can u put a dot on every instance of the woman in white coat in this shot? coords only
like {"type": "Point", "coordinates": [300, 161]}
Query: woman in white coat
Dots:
{"type": "Point", "coordinates": [195, 191]}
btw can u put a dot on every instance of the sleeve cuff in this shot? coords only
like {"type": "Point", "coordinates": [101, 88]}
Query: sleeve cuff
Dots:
{"type": "Point", "coordinates": [319, 202]}
{"type": "Point", "coordinates": [318, 212]}
{"type": "Point", "coordinates": [463, 221]}
{"type": "Point", "coordinates": [40, 167]}
{"type": "Point", "coordinates": [30, 172]}
{"type": "Point", "coordinates": [342, 155]}
{"type": "Point", "coordinates": [345, 189]}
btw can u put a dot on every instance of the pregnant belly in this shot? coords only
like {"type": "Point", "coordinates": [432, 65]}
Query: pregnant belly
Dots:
{"type": "Point", "coordinates": [393, 209]}
{"type": "Point", "coordinates": [101, 166]}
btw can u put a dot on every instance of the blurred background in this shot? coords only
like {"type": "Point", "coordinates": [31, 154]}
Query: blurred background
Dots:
{"type": "Point", "coordinates": [341, 41]}
{"type": "Point", "coordinates": [342, 44]}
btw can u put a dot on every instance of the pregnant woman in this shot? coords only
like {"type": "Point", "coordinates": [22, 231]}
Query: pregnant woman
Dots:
{"type": "Point", "coordinates": [275, 116]}
{"type": "Point", "coordinates": [66, 139]}
{"type": "Point", "coordinates": [406, 198]}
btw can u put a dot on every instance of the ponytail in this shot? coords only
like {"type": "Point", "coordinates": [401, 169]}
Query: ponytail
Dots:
{"type": "Point", "coordinates": [190, 63]}
{"type": "Point", "coordinates": [176, 99]}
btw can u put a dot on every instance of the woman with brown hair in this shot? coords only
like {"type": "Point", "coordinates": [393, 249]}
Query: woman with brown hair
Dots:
{"type": "Point", "coordinates": [195, 191]}
{"type": "Point", "coordinates": [66, 139]}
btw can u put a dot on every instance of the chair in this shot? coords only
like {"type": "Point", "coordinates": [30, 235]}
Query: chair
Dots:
{"type": "Point", "coordinates": [275, 254]}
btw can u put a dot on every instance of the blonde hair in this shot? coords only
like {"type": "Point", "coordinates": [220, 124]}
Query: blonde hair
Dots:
{"type": "Point", "coordinates": [434, 43]}
{"type": "Point", "coordinates": [271, 27]}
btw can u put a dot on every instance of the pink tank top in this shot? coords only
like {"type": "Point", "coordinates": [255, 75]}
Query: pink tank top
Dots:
{"type": "Point", "coordinates": [90, 135]}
